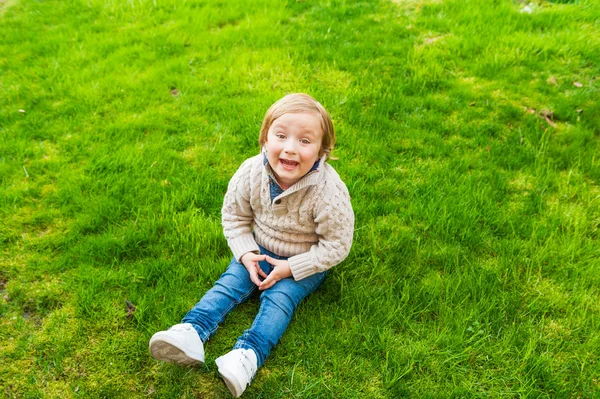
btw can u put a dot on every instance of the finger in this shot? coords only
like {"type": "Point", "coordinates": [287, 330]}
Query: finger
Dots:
{"type": "Point", "coordinates": [254, 278]}
{"type": "Point", "coordinates": [258, 258]}
{"type": "Point", "coordinates": [266, 284]}
{"type": "Point", "coordinates": [269, 281]}
{"type": "Point", "coordinates": [272, 261]}
{"type": "Point", "coordinates": [261, 272]}
{"type": "Point", "coordinates": [252, 257]}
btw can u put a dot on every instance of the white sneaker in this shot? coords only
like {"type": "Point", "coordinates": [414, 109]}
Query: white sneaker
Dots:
{"type": "Point", "coordinates": [179, 344]}
{"type": "Point", "coordinates": [237, 368]}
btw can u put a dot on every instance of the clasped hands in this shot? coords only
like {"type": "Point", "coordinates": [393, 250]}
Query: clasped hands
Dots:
{"type": "Point", "coordinates": [281, 270]}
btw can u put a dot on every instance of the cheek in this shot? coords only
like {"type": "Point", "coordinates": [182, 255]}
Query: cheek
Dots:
{"type": "Point", "coordinates": [271, 146]}
{"type": "Point", "coordinates": [310, 153]}
{"type": "Point", "coordinates": [273, 153]}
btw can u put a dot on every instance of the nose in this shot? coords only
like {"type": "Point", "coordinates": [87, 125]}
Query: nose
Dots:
{"type": "Point", "coordinates": [290, 147]}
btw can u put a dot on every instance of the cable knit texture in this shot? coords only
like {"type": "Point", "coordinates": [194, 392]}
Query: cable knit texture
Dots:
{"type": "Point", "coordinates": [311, 222]}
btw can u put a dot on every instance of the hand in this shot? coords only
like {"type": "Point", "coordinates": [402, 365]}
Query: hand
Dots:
{"type": "Point", "coordinates": [281, 270]}
{"type": "Point", "coordinates": [250, 261]}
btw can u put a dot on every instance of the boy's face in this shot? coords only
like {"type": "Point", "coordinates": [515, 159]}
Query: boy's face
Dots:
{"type": "Point", "coordinates": [293, 145]}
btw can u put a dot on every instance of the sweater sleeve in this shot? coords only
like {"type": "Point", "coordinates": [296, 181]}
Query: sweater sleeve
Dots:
{"type": "Point", "coordinates": [237, 214]}
{"type": "Point", "coordinates": [334, 219]}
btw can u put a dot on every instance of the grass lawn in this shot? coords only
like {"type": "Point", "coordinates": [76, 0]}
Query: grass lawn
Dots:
{"type": "Point", "coordinates": [468, 136]}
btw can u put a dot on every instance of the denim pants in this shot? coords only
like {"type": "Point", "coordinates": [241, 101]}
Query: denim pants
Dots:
{"type": "Point", "coordinates": [277, 306]}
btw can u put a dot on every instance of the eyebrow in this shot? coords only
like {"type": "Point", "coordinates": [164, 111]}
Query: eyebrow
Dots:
{"type": "Point", "coordinates": [277, 124]}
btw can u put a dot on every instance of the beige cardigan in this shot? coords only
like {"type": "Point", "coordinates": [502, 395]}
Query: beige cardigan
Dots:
{"type": "Point", "coordinates": [311, 222]}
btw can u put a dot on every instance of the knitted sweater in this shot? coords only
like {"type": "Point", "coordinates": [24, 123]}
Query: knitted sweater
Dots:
{"type": "Point", "coordinates": [311, 222]}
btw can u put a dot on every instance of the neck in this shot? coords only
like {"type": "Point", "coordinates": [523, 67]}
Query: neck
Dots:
{"type": "Point", "coordinates": [285, 187]}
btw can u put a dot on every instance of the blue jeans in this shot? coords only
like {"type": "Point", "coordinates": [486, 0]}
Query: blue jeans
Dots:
{"type": "Point", "coordinates": [277, 305]}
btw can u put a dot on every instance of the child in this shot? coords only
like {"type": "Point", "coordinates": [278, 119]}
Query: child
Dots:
{"type": "Point", "coordinates": [287, 219]}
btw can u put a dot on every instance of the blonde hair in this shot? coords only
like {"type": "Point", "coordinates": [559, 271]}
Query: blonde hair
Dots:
{"type": "Point", "coordinates": [299, 103]}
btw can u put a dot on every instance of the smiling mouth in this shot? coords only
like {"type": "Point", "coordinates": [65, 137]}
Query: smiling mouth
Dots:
{"type": "Point", "coordinates": [288, 164]}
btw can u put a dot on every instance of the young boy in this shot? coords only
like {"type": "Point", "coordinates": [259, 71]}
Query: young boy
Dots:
{"type": "Point", "coordinates": [288, 219]}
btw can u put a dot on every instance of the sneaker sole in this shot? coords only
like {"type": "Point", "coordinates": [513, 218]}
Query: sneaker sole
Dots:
{"type": "Point", "coordinates": [234, 386]}
{"type": "Point", "coordinates": [162, 349]}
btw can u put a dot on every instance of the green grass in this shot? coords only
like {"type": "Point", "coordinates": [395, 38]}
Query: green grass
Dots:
{"type": "Point", "coordinates": [475, 268]}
